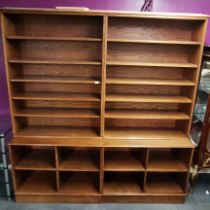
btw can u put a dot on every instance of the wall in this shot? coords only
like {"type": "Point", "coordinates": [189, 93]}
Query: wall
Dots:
{"type": "Point", "coordinates": [187, 6]}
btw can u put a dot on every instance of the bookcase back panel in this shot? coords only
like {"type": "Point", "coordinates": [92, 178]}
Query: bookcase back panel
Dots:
{"type": "Point", "coordinates": [156, 29]}
{"type": "Point", "coordinates": [149, 52]}
{"type": "Point", "coordinates": [56, 26]}
{"type": "Point", "coordinates": [60, 71]}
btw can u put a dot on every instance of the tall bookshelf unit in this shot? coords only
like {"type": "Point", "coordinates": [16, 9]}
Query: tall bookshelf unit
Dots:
{"type": "Point", "coordinates": [101, 103]}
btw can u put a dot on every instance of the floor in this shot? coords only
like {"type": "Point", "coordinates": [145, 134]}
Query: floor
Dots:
{"type": "Point", "coordinates": [199, 199]}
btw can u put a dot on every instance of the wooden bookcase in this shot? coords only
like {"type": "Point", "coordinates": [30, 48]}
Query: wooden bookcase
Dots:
{"type": "Point", "coordinates": [101, 103]}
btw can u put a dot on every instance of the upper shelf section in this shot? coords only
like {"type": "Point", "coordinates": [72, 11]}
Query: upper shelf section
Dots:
{"type": "Point", "coordinates": [58, 27]}
{"type": "Point", "coordinates": [162, 30]}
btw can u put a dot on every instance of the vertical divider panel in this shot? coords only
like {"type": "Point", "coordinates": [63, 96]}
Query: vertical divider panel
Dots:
{"type": "Point", "coordinates": [101, 184]}
{"type": "Point", "coordinates": [57, 169]}
{"type": "Point", "coordinates": [198, 58]}
{"type": "Point", "coordinates": [146, 166]}
{"type": "Point", "coordinates": [5, 27]}
{"type": "Point", "coordinates": [103, 75]}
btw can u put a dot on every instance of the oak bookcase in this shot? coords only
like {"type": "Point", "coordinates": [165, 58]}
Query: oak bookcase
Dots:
{"type": "Point", "coordinates": [101, 103]}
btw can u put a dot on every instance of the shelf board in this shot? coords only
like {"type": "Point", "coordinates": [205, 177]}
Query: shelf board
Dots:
{"type": "Point", "coordinates": [160, 161]}
{"type": "Point", "coordinates": [171, 42]}
{"type": "Point", "coordinates": [56, 96]}
{"type": "Point", "coordinates": [55, 62]}
{"type": "Point", "coordinates": [163, 183]}
{"type": "Point", "coordinates": [57, 112]}
{"type": "Point", "coordinates": [79, 184]}
{"type": "Point", "coordinates": [148, 99]}
{"type": "Point", "coordinates": [161, 82]}
{"type": "Point", "coordinates": [48, 38]}
{"type": "Point", "coordinates": [143, 133]}
{"type": "Point", "coordinates": [45, 79]}
{"type": "Point", "coordinates": [38, 182]}
{"type": "Point", "coordinates": [122, 161]}
{"type": "Point", "coordinates": [149, 143]}
{"type": "Point", "coordinates": [122, 184]}
{"type": "Point", "coordinates": [37, 160]}
{"type": "Point", "coordinates": [57, 131]}
{"type": "Point", "coordinates": [135, 114]}
{"type": "Point", "coordinates": [78, 160]}
{"type": "Point", "coordinates": [150, 64]}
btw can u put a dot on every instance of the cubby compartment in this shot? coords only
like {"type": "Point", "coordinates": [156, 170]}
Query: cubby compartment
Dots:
{"type": "Point", "coordinates": [123, 183]}
{"type": "Point", "coordinates": [125, 159]}
{"type": "Point", "coordinates": [145, 129]}
{"type": "Point", "coordinates": [78, 159]}
{"type": "Point", "coordinates": [66, 127]}
{"type": "Point", "coordinates": [30, 182]}
{"type": "Point", "coordinates": [169, 160]}
{"type": "Point", "coordinates": [149, 53]}
{"type": "Point", "coordinates": [54, 26]}
{"type": "Point", "coordinates": [153, 29]}
{"type": "Point", "coordinates": [166, 183]}
{"type": "Point", "coordinates": [33, 158]}
{"type": "Point", "coordinates": [40, 50]}
{"type": "Point", "coordinates": [79, 183]}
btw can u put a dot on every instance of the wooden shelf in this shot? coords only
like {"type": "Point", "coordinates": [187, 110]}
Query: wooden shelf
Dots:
{"type": "Point", "coordinates": [78, 160]}
{"type": "Point", "coordinates": [59, 131]}
{"type": "Point", "coordinates": [38, 182]}
{"type": "Point", "coordinates": [135, 114]}
{"type": "Point", "coordinates": [143, 133]}
{"type": "Point", "coordinates": [121, 184]}
{"type": "Point", "coordinates": [148, 99]}
{"type": "Point", "coordinates": [163, 183]}
{"type": "Point", "coordinates": [48, 38]}
{"type": "Point", "coordinates": [57, 112]}
{"type": "Point", "coordinates": [78, 184]}
{"type": "Point", "coordinates": [171, 42]}
{"type": "Point", "coordinates": [122, 161]}
{"type": "Point", "coordinates": [124, 81]}
{"type": "Point", "coordinates": [45, 79]}
{"type": "Point", "coordinates": [164, 160]}
{"type": "Point", "coordinates": [55, 62]}
{"type": "Point", "coordinates": [155, 64]}
{"type": "Point", "coordinates": [37, 159]}
{"type": "Point", "coordinates": [56, 96]}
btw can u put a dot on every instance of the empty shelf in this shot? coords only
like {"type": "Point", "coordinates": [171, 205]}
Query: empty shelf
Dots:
{"type": "Point", "coordinates": [37, 182]}
{"type": "Point", "coordinates": [143, 133]}
{"type": "Point", "coordinates": [56, 96]}
{"type": "Point", "coordinates": [57, 131]}
{"type": "Point", "coordinates": [78, 160]}
{"type": "Point", "coordinates": [172, 42]}
{"type": "Point", "coordinates": [149, 82]}
{"type": "Point", "coordinates": [163, 183]}
{"type": "Point", "coordinates": [122, 161]}
{"type": "Point", "coordinates": [57, 112]}
{"type": "Point", "coordinates": [127, 114]}
{"type": "Point", "coordinates": [48, 38]}
{"type": "Point", "coordinates": [157, 64]}
{"type": "Point", "coordinates": [54, 62]}
{"type": "Point", "coordinates": [37, 160]}
{"type": "Point", "coordinates": [148, 99]}
{"type": "Point", "coordinates": [48, 79]}
{"type": "Point", "coordinates": [78, 184]}
{"type": "Point", "coordinates": [121, 184]}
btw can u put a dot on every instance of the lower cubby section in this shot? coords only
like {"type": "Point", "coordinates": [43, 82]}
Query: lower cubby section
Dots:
{"type": "Point", "coordinates": [41, 182]}
{"type": "Point", "coordinates": [117, 183]}
{"type": "Point", "coordinates": [166, 183]}
{"type": "Point", "coordinates": [79, 183]}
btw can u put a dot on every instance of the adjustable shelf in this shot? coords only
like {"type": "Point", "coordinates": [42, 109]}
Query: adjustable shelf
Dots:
{"type": "Point", "coordinates": [101, 104]}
